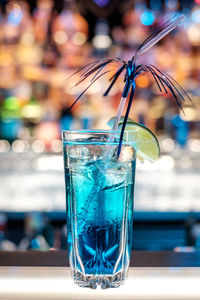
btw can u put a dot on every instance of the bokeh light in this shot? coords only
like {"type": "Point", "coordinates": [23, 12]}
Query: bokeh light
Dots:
{"type": "Point", "coordinates": [147, 18]}
{"type": "Point", "coordinates": [38, 146]}
{"type": "Point", "coordinates": [60, 37]}
{"type": "Point", "coordinates": [195, 16]}
{"type": "Point", "coordinates": [4, 146]}
{"type": "Point", "coordinates": [194, 34]}
{"type": "Point", "coordinates": [102, 41]}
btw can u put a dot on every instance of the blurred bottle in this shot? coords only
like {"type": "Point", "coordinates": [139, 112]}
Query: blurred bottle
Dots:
{"type": "Point", "coordinates": [69, 36]}
{"type": "Point", "coordinates": [64, 237]}
{"type": "Point", "coordinates": [168, 125]}
{"type": "Point", "coordinates": [10, 122]}
{"type": "Point", "coordinates": [14, 15]}
{"type": "Point", "coordinates": [5, 245]}
{"type": "Point", "coordinates": [48, 128]}
{"type": "Point", "coordinates": [34, 239]}
{"type": "Point", "coordinates": [195, 233]}
{"type": "Point", "coordinates": [86, 114]}
{"type": "Point", "coordinates": [181, 130]}
{"type": "Point", "coordinates": [42, 18]}
{"type": "Point", "coordinates": [3, 222]}
{"type": "Point", "coordinates": [66, 119]}
{"type": "Point", "coordinates": [32, 113]}
{"type": "Point", "coordinates": [48, 231]}
{"type": "Point", "coordinates": [102, 41]}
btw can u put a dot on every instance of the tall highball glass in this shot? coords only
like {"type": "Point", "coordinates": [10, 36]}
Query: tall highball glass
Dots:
{"type": "Point", "coordinates": [99, 202]}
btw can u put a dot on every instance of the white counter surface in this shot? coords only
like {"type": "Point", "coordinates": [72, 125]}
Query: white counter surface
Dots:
{"type": "Point", "coordinates": [19, 283]}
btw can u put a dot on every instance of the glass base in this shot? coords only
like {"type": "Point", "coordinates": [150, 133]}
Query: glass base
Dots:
{"type": "Point", "coordinates": [104, 281]}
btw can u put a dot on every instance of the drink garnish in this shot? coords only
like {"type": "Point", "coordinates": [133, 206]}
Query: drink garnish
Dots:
{"type": "Point", "coordinates": [132, 70]}
{"type": "Point", "coordinates": [144, 139]}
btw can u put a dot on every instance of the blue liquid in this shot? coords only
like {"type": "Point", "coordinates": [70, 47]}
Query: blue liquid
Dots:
{"type": "Point", "coordinates": [99, 215]}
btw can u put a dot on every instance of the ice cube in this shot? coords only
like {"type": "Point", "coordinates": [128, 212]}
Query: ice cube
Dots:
{"type": "Point", "coordinates": [113, 179]}
{"type": "Point", "coordinates": [127, 154]}
{"type": "Point", "coordinates": [79, 152]}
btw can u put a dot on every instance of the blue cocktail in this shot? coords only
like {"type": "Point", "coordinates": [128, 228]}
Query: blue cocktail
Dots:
{"type": "Point", "coordinates": [99, 199]}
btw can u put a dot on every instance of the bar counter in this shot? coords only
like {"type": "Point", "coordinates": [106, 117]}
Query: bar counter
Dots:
{"type": "Point", "coordinates": [152, 275]}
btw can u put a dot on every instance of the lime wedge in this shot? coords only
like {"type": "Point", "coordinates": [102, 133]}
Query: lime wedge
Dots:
{"type": "Point", "coordinates": [146, 142]}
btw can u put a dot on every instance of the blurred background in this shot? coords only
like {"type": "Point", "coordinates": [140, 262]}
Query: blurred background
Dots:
{"type": "Point", "coordinates": [41, 44]}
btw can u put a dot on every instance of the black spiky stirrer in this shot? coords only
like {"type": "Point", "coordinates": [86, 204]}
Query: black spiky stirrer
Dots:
{"type": "Point", "coordinates": [132, 69]}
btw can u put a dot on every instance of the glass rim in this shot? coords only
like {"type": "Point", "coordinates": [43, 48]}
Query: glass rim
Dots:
{"type": "Point", "coordinates": [78, 131]}
{"type": "Point", "coordinates": [69, 136]}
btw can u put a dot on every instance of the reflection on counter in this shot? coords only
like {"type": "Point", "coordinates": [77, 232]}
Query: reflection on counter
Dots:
{"type": "Point", "coordinates": [56, 283]}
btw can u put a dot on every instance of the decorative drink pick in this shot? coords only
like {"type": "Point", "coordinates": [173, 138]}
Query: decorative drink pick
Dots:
{"type": "Point", "coordinates": [133, 69]}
